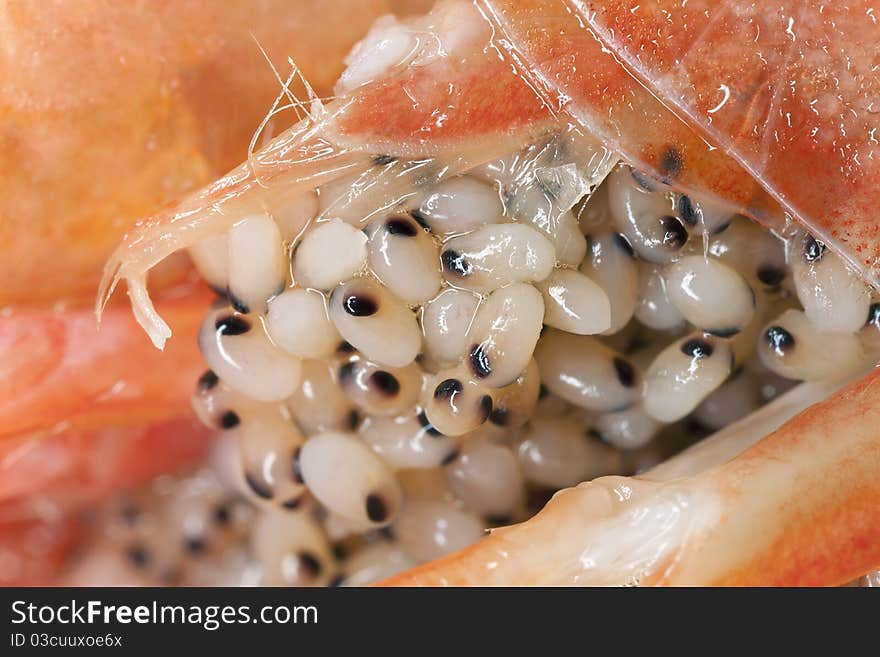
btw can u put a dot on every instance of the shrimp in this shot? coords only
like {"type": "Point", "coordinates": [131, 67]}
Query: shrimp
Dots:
{"type": "Point", "coordinates": [471, 82]}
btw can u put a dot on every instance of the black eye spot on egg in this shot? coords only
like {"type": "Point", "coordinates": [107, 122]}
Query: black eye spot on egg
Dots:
{"type": "Point", "coordinates": [194, 545]}
{"type": "Point", "coordinates": [222, 516]}
{"type": "Point", "coordinates": [138, 556]}
{"type": "Point", "coordinates": [593, 434]}
{"type": "Point", "coordinates": [292, 503]}
{"type": "Point", "coordinates": [449, 458]}
{"type": "Point", "coordinates": [232, 325]}
{"type": "Point", "coordinates": [382, 160]}
{"type": "Point", "coordinates": [295, 470]}
{"type": "Point", "coordinates": [345, 348]}
{"type": "Point", "coordinates": [455, 263]}
{"type": "Point", "coordinates": [813, 249]}
{"type": "Point", "coordinates": [353, 419]}
{"type": "Point", "coordinates": [447, 389]}
{"type": "Point", "coordinates": [479, 361]}
{"type": "Point", "coordinates": [626, 373]}
{"type": "Point", "coordinates": [671, 162]}
{"type": "Point", "coordinates": [874, 315]}
{"type": "Point", "coordinates": [238, 304]}
{"type": "Point", "coordinates": [485, 407]}
{"type": "Point", "coordinates": [499, 416]}
{"type": "Point", "coordinates": [779, 340]}
{"type": "Point", "coordinates": [697, 348]}
{"type": "Point", "coordinates": [229, 420]}
{"type": "Point", "coordinates": [385, 383]}
{"type": "Point", "coordinates": [429, 428]}
{"type": "Point", "coordinates": [258, 487]}
{"type": "Point", "coordinates": [642, 180]}
{"type": "Point", "coordinates": [376, 509]}
{"type": "Point", "coordinates": [624, 245]}
{"type": "Point", "coordinates": [420, 219]}
{"type": "Point", "coordinates": [310, 564]}
{"type": "Point", "coordinates": [360, 305]}
{"type": "Point", "coordinates": [723, 332]}
{"type": "Point", "coordinates": [401, 226]}
{"type": "Point", "coordinates": [770, 275]}
{"type": "Point", "coordinates": [208, 381]}
{"type": "Point", "coordinates": [689, 213]}
{"type": "Point", "coordinates": [675, 235]}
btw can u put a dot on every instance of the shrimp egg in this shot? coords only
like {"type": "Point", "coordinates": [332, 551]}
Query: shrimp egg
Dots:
{"type": "Point", "coordinates": [240, 352]}
{"type": "Point", "coordinates": [710, 295]}
{"type": "Point", "coordinates": [493, 256]}
{"type": "Point", "coordinates": [655, 309]}
{"type": "Point", "coordinates": [319, 403]}
{"type": "Point", "coordinates": [292, 551]}
{"type": "Point", "coordinates": [376, 322]}
{"type": "Point", "coordinates": [610, 262]}
{"type": "Point", "coordinates": [298, 322]}
{"type": "Point", "coordinates": [630, 428]}
{"type": "Point", "coordinates": [378, 390]}
{"type": "Point", "coordinates": [269, 443]}
{"type": "Point", "coordinates": [460, 205]}
{"type": "Point", "coordinates": [455, 403]}
{"type": "Point", "coordinates": [791, 346]}
{"type": "Point", "coordinates": [684, 374]}
{"type": "Point", "coordinates": [427, 530]}
{"type": "Point", "coordinates": [446, 321]}
{"type": "Point", "coordinates": [256, 263]}
{"type": "Point", "coordinates": [646, 217]}
{"type": "Point", "coordinates": [574, 303]}
{"type": "Point", "coordinates": [487, 479]}
{"type": "Point", "coordinates": [371, 494]}
{"type": "Point", "coordinates": [584, 372]}
{"type": "Point", "coordinates": [399, 244]}
{"type": "Point", "coordinates": [834, 298]}
{"type": "Point", "coordinates": [504, 333]}
{"type": "Point", "coordinates": [328, 254]}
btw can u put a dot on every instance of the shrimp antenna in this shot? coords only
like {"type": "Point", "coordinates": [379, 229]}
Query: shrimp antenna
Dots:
{"type": "Point", "coordinates": [294, 103]}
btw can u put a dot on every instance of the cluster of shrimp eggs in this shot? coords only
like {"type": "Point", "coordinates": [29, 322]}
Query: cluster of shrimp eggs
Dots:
{"type": "Point", "coordinates": [391, 388]}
